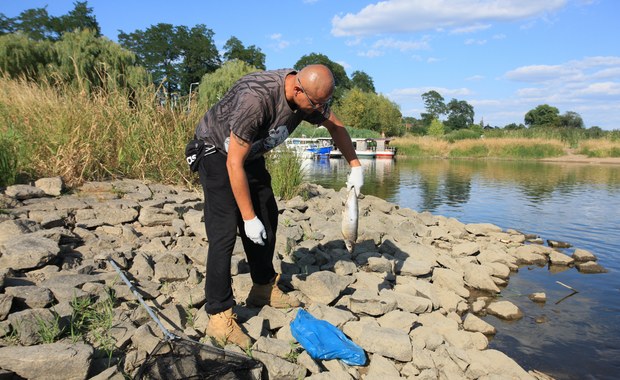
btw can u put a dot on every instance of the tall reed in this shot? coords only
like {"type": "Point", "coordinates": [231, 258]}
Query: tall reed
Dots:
{"type": "Point", "coordinates": [79, 136]}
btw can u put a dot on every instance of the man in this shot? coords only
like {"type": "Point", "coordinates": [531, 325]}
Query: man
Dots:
{"type": "Point", "coordinates": [254, 116]}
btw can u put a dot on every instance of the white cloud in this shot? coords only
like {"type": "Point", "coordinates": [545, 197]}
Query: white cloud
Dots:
{"type": "Point", "coordinates": [470, 29]}
{"type": "Point", "coordinates": [390, 43]}
{"type": "Point", "coordinates": [403, 16]}
{"type": "Point", "coordinates": [473, 41]}
{"type": "Point", "coordinates": [280, 44]}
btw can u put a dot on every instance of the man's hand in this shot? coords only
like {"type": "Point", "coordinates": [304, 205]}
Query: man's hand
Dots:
{"type": "Point", "coordinates": [255, 230]}
{"type": "Point", "coordinates": [356, 179]}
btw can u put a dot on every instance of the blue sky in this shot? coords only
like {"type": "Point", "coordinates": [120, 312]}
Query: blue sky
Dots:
{"type": "Point", "coordinates": [504, 57]}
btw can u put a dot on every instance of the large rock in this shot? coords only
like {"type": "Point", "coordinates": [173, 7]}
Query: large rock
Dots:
{"type": "Point", "coordinates": [505, 310]}
{"type": "Point", "coordinates": [322, 287]}
{"type": "Point", "coordinates": [27, 252]}
{"type": "Point", "coordinates": [391, 343]}
{"type": "Point", "coordinates": [62, 361]}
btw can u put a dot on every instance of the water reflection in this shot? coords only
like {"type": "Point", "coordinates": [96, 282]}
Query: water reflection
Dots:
{"type": "Point", "coordinates": [576, 203]}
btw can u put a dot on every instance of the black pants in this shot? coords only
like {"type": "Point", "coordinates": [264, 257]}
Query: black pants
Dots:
{"type": "Point", "coordinates": [222, 219]}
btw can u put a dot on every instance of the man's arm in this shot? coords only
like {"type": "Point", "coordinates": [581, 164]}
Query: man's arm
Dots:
{"type": "Point", "coordinates": [341, 139]}
{"type": "Point", "coordinates": [238, 150]}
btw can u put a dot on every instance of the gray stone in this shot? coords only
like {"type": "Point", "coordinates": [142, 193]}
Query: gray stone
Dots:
{"type": "Point", "coordinates": [391, 343]}
{"type": "Point", "coordinates": [505, 310]}
{"type": "Point", "coordinates": [581, 255]}
{"type": "Point", "coordinates": [26, 252]}
{"type": "Point", "coordinates": [474, 324]}
{"type": "Point", "coordinates": [53, 186]}
{"type": "Point", "coordinates": [278, 368]}
{"type": "Point", "coordinates": [62, 361]}
{"type": "Point", "coordinates": [31, 296]}
{"type": "Point", "coordinates": [590, 267]}
{"type": "Point", "coordinates": [322, 287]}
{"type": "Point", "coordinates": [22, 192]}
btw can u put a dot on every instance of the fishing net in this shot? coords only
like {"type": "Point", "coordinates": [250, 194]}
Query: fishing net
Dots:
{"type": "Point", "coordinates": [181, 358]}
{"type": "Point", "coordinates": [177, 357]}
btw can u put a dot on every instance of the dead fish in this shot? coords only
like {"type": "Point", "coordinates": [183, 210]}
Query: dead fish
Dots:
{"type": "Point", "coordinates": [350, 216]}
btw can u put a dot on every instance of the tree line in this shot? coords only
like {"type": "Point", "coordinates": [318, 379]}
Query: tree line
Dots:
{"type": "Point", "coordinates": [70, 49]}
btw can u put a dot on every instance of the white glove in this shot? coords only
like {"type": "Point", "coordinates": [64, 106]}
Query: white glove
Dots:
{"type": "Point", "coordinates": [255, 230]}
{"type": "Point", "coordinates": [356, 179]}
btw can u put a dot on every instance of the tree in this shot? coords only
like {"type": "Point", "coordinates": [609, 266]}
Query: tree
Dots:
{"type": "Point", "coordinates": [234, 49]}
{"type": "Point", "coordinates": [364, 110]}
{"type": "Point", "coordinates": [174, 55]}
{"type": "Point", "coordinates": [460, 115]}
{"type": "Point", "coordinates": [81, 17]}
{"type": "Point", "coordinates": [340, 76]}
{"type": "Point", "coordinates": [362, 81]}
{"type": "Point", "coordinates": [514, 126]}
{"type": "Point", "coordinates": [435, 106]}
{"type": "Point", "coordinates": [200, 55]}
{"type": "Point", "coordinates": [436, 128]}
{"type": "Point", "coordinates": [543, 115]}
{"type": "Point", "coordinates": [37, 24]}
{"type": "Point", "coordinates": [571, 119]}
{"type": "Point", "coordinates": [214, 85]}
{"type": "Point", "coordinates": [21, 56]}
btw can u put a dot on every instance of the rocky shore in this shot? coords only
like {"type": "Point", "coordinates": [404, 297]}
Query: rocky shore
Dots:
{"type": "Point", "coordinates": [411, 294]}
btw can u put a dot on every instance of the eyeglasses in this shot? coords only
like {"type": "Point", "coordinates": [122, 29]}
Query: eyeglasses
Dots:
{"type": "Point", "coordinates": [316, 106]}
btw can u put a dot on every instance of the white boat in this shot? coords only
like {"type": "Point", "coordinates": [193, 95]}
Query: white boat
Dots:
{"type": "Point", "coordinates": [369, 148]}
{"type": "Point", "coordinates": [311, 147]}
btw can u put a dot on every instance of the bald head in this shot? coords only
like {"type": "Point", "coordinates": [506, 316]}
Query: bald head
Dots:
{"type": "Point", "coordinates": [318, 80]}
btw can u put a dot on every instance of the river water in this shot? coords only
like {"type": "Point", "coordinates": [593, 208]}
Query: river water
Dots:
{"type": "Point", "coordinates": [579, 337]}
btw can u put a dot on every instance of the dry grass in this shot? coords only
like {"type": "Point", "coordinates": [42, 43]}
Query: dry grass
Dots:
{"type": "Point", "coordinates": [62, 131]}
{"type": "Point", "coordinates": [479, 148]}
{"type": "Point", "coordinates": [600, 148]}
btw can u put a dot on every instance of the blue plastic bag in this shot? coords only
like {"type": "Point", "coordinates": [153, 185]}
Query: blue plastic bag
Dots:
{"type": "Point", "coordinates": [322, 340]}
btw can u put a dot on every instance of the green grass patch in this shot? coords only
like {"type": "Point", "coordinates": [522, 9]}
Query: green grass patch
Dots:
{"type": "Point", "coordinates": [284, 165]}
{"type": "Point", "coordinates": [473, 151]}
{"type": "Point", "coordinates": [8, 157]}
{"type": "Point", "coordinates": [530, 151]}
{"type": "Point", "coordinates": [462, 134]}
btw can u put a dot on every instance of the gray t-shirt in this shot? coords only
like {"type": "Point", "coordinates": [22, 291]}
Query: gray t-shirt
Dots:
{"type": "Point", "coordinates": [255, 109]}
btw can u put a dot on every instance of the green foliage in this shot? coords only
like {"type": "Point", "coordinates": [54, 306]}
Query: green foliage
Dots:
{"type": "Point", "coordinates": [49, 330]}
{"type": "Point", "coordinates": [252, 55]}
{"type": "Point", "coordinates": [92, 321]}
{"type": "Point", "coordinates": [362, 81]}
{"type": "Point", "coordinates": [462, 134]}
{"type": "Point", "coordinates": [460, 115]}
{"type": "Point", "coordinates": [571, 119]}
{"type": "Point", "coordinates": [474, 150]}
{"type": "Point", "coordinates": [436, 129]}
{"type": "Point", "coordinates": [214, 85]}
{"type": "Point", "coordinates": [535, 150]}
{"type": "Point", "coordinates": [543, 115]}
{"type": "Point", "coordinates": [284, 165]}
{"type": "Point", "coordinates": [62, 132]}
{"type": "Point", "coordinates": [175, 56]}
{"type": "Point", "coordinates": [435, 106]}
{"type": "Point", "coordinates": [8, 157]}
{"type": "Point", "coordinates": [366, 110]}
{"type": "Point", "coordinates": [37, 24]}
{"type": "Point", "coordinates": [79, 58]}
{"type": "Point", "coordinates": [21, 56]}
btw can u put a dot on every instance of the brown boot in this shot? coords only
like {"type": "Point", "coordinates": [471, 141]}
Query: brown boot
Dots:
{"type": "Point", "coordinates": [270, 294]}
{"type": "Point", "coordinates": [223, 327]}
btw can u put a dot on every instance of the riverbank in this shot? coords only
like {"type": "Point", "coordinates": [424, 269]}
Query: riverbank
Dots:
{"type": "Point", "coordinates": [411, 294]}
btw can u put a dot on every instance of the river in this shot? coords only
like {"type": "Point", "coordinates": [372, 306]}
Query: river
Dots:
{"type": "Point", "coordinates": [579, 337]}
